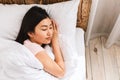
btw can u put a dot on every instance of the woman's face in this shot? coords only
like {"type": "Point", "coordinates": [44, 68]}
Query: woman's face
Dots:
{"type": "Point", "coordinates": [43, 32]}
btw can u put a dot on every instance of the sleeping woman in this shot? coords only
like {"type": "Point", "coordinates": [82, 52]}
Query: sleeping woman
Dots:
{"type": "Point", "coordinates": [38, 30]}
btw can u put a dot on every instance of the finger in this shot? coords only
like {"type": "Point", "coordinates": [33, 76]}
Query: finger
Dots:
{"type": "Point", "coordinates": [54, 25]}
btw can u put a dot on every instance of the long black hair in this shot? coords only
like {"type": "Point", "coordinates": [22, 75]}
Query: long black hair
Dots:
{"type": "Point", "coordinates": [33, 16]}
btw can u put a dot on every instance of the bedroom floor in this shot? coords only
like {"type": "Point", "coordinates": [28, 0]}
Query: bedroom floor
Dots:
{"type": "Point", "coordinates": [102, 63]}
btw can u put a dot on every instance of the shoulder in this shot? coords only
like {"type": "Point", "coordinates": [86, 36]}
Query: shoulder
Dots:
{"type": "Point", "coordinates": [33, 47]}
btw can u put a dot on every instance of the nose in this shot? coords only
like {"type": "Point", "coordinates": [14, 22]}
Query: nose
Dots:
{"type": "Point", "coordinates": [49, 33]}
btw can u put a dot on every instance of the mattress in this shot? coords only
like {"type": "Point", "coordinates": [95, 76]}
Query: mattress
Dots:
{"type": "Point", "coordinates": [80, 41]}
{"type": "Point", "coordinates": [81, 52]}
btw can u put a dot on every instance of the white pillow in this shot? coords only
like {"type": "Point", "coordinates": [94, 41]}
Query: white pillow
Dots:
{"type": "Point", "coordinates": [64, 13]}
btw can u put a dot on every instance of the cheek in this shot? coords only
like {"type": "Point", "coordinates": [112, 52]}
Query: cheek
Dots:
{"type": "Point", "coordinates": [41, 35]}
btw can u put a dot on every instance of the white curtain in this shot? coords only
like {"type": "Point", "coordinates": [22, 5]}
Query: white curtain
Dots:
{"type": "Point", "coordinates": [104, 20]}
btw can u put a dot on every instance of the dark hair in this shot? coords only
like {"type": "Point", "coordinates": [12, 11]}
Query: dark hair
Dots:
{"type": "Point", "coordinates": [31, 19]}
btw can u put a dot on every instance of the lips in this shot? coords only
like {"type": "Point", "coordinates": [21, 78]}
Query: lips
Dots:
{"type": "Point", "coordinates": [48, 38]}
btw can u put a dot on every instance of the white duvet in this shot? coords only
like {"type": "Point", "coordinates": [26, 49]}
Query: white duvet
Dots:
{"type": "Point", "coordinates": [18, 63]}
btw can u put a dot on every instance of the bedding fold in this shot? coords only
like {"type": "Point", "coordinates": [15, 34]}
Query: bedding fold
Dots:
{"type": "Point", "coordinates": [18, 63]}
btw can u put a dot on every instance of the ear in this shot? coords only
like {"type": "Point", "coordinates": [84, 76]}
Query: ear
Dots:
{"type": "Point", "coordinates": [30, 34]}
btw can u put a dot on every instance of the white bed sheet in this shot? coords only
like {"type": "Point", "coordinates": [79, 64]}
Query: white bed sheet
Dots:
{"type": "Point", "coordinates": [16, 63]}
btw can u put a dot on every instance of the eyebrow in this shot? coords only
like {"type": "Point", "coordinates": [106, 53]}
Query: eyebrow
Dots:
{"type": "Point", "coordinates": [44, 26]}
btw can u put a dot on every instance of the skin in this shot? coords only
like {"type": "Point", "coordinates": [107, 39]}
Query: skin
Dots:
{"type": "Point", "coordinates": [46, 32]}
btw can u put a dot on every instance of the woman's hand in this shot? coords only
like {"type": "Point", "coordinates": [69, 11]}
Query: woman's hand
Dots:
{"type": "Point", "coordinates": [55, 33]}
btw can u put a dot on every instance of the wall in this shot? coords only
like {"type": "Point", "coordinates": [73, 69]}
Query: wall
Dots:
{"type": "Point", "coordinates": [102, 18]}
{"type": "Point", "coordinates": [106, 15]}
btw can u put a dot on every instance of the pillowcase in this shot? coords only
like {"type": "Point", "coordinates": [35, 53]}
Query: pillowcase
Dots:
{"type": "Point", "coordinates": [64, 13]}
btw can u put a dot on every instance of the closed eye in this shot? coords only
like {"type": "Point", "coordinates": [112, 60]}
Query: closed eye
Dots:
{"type": "Point", "coordinates": [43, 29]}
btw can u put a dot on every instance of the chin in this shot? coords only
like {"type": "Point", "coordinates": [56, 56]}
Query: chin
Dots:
{"type": "Point", "coordinates": [47, 43]}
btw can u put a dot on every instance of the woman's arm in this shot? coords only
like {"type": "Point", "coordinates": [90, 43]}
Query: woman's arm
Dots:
{"type": "Point", "coordinates": [56, 48]}
{"type": "Point", "coordinates": [50, 65]}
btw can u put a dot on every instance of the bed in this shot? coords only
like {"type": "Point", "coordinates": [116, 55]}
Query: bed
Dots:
{"type": "Point", "coordinates": [17, 63]}
{"type": "Point", "coordinates": [9, 64]}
